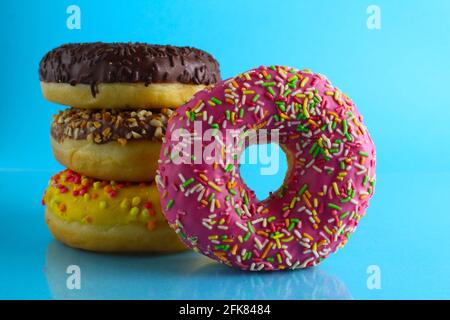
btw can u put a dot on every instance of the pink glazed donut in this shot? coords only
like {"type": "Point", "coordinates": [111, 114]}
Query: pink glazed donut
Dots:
{"type": "Point", "coordinates": [330, 177]}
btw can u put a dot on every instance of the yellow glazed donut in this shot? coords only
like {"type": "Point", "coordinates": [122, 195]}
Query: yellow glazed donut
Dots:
{"type": "Point", "coordinates": [107, 216]}
{"type": "Point", "coordinates": [125, 75]}
{"type": "Point", "coordinates": [119, 145]}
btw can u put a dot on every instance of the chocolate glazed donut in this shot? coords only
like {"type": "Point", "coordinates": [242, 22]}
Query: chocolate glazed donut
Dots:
{"type": "Point", "coordinates": [125, 75]}
{"type": "Point", "coordinates": [118, 145]}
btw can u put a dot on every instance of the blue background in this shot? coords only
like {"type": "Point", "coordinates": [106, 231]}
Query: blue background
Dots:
{"type": "Point", "coordinates": [397, 76]}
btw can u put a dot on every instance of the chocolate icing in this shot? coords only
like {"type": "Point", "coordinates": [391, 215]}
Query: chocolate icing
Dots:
{"type": "Point", "coordinates": [94, 63]}
{"type": "Point", "coordinates": [102, 126]}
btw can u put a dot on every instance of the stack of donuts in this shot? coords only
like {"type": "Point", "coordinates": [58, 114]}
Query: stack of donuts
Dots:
{"type": "Point", "coordinates": [120, 97]}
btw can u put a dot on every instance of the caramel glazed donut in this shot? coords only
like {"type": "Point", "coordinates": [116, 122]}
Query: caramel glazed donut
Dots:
{"type": "Point", "coordinates": [109, 144]}
{"type": "Point", "coordinates": [330, 177]}
{"type": "Point", "coordinates": [125, 75]}
{"type": "Point", "coordinates": [107, 216]}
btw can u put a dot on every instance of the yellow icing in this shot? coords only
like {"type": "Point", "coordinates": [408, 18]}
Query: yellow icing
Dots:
{"type": "Point", "coordinates": [97, 206]}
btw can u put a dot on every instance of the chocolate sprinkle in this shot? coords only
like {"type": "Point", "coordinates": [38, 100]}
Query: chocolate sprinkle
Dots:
{"type": "Point", "coordinates": [94, 63]}
{"type": "Point", "coordinates": [102, 126]}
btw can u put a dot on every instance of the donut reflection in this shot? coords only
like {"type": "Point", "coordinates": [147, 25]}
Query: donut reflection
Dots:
{"type": "Point", "coordinates": [178, 276]}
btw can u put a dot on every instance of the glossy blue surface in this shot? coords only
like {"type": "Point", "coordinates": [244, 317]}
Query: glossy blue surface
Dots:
{"type": "Point", "coordinates": [397, 76]}
{"type": "Point", "coordinates": [405, 234]}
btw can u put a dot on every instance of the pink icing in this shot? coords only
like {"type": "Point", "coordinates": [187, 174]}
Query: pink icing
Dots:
{"type": "Point", "coordinates": [325, 193]}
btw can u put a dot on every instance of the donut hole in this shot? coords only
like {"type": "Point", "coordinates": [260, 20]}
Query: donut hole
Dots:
{"type": "Point", "coordinates": [263, 168]}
